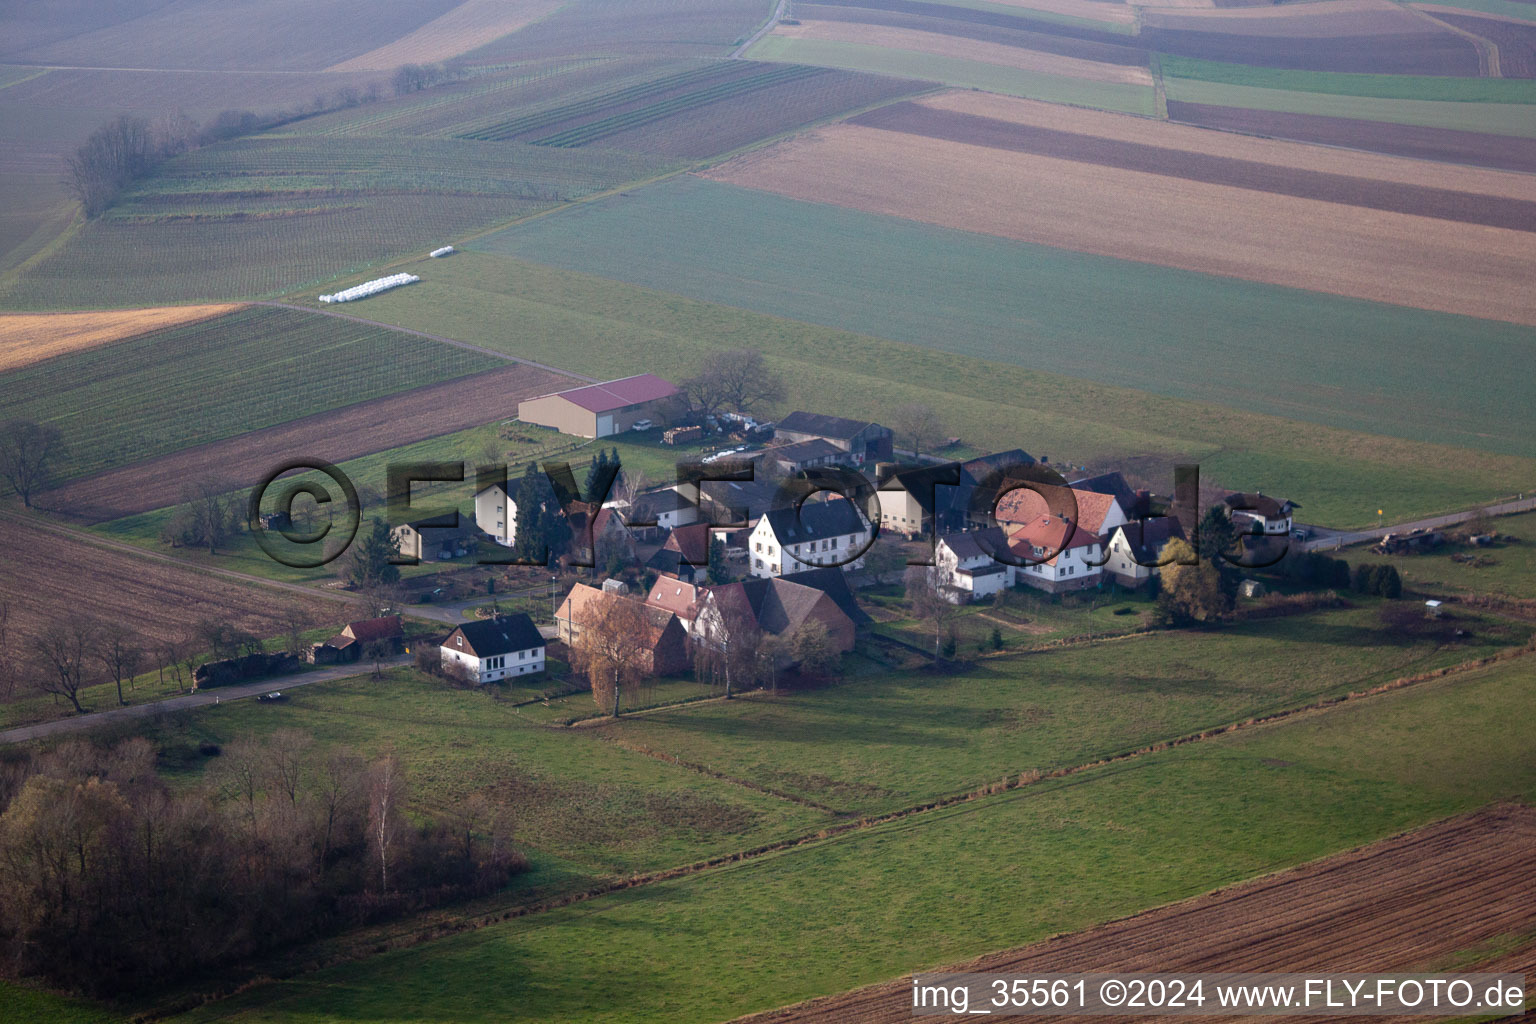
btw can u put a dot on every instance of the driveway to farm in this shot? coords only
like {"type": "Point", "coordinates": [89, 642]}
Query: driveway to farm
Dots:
{"type": "Point", "coordinates": [1326, 539]}
{"type": "Point", "coordinates": [222, 695]}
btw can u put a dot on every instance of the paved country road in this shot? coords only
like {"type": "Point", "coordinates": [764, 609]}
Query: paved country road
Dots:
{"type": "Point", "coordinates": [220, 695]}
{"type": "Point", "coordinates": [1326, 540]}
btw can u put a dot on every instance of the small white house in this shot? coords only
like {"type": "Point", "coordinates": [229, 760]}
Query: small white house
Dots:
{"type": "Point", "coordinates": [822, 534]}
{"type": "Point", "coordinates": [1259, 513]}
{"type": "Point", "coordinates": [496, 513]}
{"type": "Point", "coordinates": [1061, 555]}
{"type": "Point", "coordinates": [970, 571]}
{"type": "Point", "coordinates": [1136, 548]}
{"type": "Point", "coordinates": [494, 649]}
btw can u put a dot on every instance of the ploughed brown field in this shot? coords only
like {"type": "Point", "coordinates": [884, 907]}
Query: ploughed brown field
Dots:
{"type": "Point", "coordinates": [1373, 36]}
{"type": "Point", "coordinates": [27, 338]}
{"type": "Point", "coordinates": [1516, 40]}
{"type": "Point", "coordinates": [942, 45]}
{"type": "Point", "coordinates": [1477, 149]}
{"type": "Point", "coordinates": [335, 436]}
{"type": "Point", "coordinates": [1360, 225]}
{"type": "Point", "coordinates": [1410, 903]}
{"type": "Point", "coordinates": [47, 576]}
{"type": "Point", "coordinates": [466, 27]}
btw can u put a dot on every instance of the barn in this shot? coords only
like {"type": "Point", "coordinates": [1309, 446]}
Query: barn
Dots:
{"type": "Point", "coordinates": [600, 410]}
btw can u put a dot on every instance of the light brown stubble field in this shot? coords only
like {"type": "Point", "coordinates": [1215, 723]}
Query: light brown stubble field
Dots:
{"type": "Point", "coordinates": [27, 338]}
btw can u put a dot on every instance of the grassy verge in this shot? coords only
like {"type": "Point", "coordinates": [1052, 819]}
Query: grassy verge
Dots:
{"type": "Point", "coordinates": [1400, 87]}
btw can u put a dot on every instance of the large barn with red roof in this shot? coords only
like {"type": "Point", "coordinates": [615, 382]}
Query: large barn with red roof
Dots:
{"type": "Point", "coordinates": [600, 410]}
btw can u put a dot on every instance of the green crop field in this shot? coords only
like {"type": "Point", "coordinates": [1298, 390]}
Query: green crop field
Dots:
{"type": "Point", "coordinates": [956, 71]}
{"type": "Point", "coordinates": [164, 391]}
{"type": "Point", "coordinates": [608, 328]}
{"type": "Point", "coordinates": [1493, 118]}
{"type": "Point", "coordinates": [682, 28]}
{"type": "Point", "coordinates": [939, 887]}
{"type": "Point", "coordinates": [880, 742]}
{"type": "Point", "coordinates": [1105, 320]}
{"type": "Point", "coordinates": [261, 215]}
{"type": "Point", "coordinates": [1395, 87]}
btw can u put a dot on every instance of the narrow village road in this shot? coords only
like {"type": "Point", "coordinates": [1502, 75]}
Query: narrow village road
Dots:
{"type": "Point", "coordinates": [768, 26]}
{"type": "Point", "coordinates": [1324, 539]}
{"type": "Point", "coordinates": [219, 695]}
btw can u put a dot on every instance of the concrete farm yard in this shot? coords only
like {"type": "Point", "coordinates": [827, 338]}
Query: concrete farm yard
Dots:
{"type": "Point", "coordinates": [892, 239]}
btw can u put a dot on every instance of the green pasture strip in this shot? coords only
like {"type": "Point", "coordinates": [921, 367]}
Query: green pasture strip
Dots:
{"type": "Point", "coordinates": [1249, 345]}
{"type": "Point", "coordinates": [1503, 8]}
{"type": "Point", "coordinates": [1441, 88]}
{"type": "Point", "coordinates": [1027, 13]}
{"type": "Point", "coordinates": [881, 742]}
{"type": "Point", "coordinates": [957, 71]}
{"type": "Point", "coordinates": [1493, 118]}
{"type": "Point", "coordinates": [939, 888]}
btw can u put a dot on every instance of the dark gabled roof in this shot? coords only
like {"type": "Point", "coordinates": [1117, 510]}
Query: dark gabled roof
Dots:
{"type": "Point", "coordinates": [1111, 483]}
{"type": "Point", "coordinates": [805, 451]}
{"type": "Point", "coordinates": [777, 605]}
{"type": "Point", "coordinates": [755, 496]}
{"type": "Point", "coordinates": [833, 582]}
{"type": "Point", "coordinates": [824, 426]}
{"type": "Point", "coordinates": [968, 545]}
{"type": "Point", "coordinates": [1146, 537]}
{"type": "Point", "coordinates": [928, 487]}
{"type": "Point", "coordinates": [978, 469]}
{"type": "Point", "coordinates": [691, 542]}
{"type": "Point", "coordinates": [486, 638]}
{"type": "Point", "coordinates": [657, 502]}
{"type": "Point", "coordinates": [1259, 503]}
{"type": "Point", "coordinates": [816, 520]}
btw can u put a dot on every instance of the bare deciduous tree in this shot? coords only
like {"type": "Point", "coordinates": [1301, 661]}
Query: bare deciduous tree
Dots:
{"type": "Point", "coordinates": [386, 795]}
{"type": "Point", "coordinates": [118, 651]}
{"type": "Point", "coordinates": [917, 426]}
{"type": "Point", "coordinates": [739, 381]}
{"type": "Point", "coordinates": [65, 647]}
{"type": "Point", "coordinates": [925, 596]}
{"type": "Point", "coordinates": [28, 453]}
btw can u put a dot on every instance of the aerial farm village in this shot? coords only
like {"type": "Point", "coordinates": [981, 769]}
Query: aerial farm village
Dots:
{"type": "Point", "coordinates": [692, 511]}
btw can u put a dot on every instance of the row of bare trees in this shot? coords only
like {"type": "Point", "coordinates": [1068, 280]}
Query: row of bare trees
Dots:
{"type": "Point", "coordinates": [116, 883]}
{"type": "Point", "coordinates": [74, 652]}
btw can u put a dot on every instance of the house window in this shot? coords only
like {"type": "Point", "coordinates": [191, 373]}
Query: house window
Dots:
{"type": "Point", "coordinates": [458, 641]}
{"type": "Point", "coordinates": [522, 655]}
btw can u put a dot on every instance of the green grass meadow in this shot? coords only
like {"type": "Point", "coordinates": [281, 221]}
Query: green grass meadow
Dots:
{"type": "Point", "coordinates": [1506, 568]}
{"type": "Point", "coordinates": [943, 886]}
{"type": "Point", "coordinates": [959, 72]}
{"type": "Point", "coordinates": [607, 327]}
{"type": "Point", "coordinates": [1442, 88]}
{"type": "Point", "coordinates": [1104, 320]}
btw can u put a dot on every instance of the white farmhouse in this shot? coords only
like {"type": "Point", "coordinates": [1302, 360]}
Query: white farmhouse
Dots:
{"type": "Point", "coordinates": [822, 534]}
{"type": "Point", "coordinates": [1135, 548]}
{"type": "Point", "coordinates": [1062, 555]}
{"type": "Point", "coordinates": [496, 513]}
{"type": "Point", "coordinates": [495, 649]}
{"type": "Point", "coordinates": [968, 569]}
{"type": "Point", "coordinates": [1259, 513]}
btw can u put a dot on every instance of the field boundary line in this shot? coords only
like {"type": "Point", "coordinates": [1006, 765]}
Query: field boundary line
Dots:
{"type": "Point", "coordinates": [705, 770]}
{"type": "Point", "coordinates": [430, 931]}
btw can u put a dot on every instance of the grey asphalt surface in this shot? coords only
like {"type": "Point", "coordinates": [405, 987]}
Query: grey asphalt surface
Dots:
{"type": "Point", "coordinates": [1328, 540]}
{"type": "Point", "coordinates": [219, 695]}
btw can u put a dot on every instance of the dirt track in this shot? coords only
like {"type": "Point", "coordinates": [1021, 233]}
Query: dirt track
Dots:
{"type": "Point", "coordinates": [1406, 903]}
{"type": "Point", "coordinates": [335, 436]}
